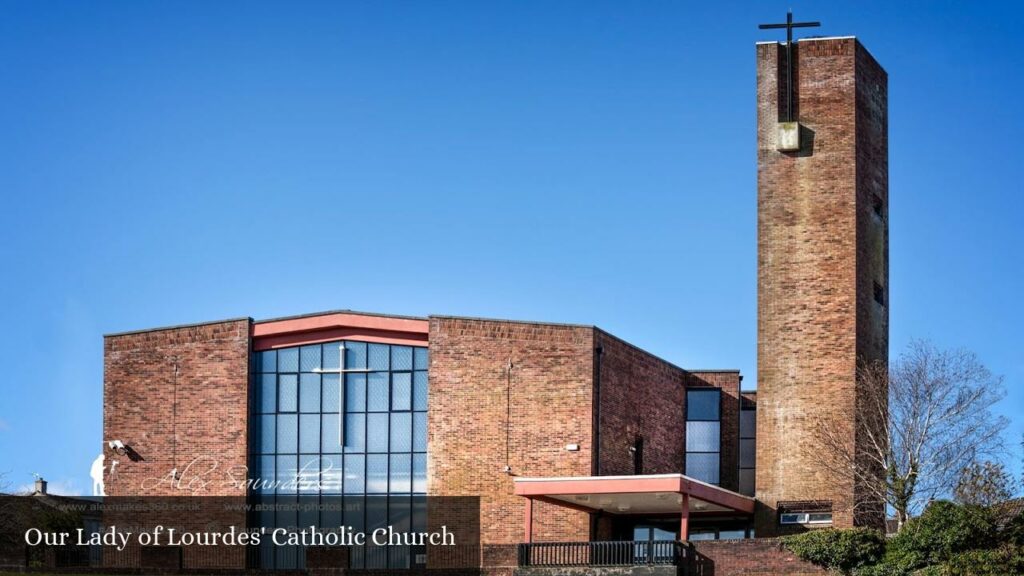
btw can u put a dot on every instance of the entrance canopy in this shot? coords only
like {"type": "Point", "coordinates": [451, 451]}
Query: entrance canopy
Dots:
{"type": "Point", "coordinates": [653, 494]}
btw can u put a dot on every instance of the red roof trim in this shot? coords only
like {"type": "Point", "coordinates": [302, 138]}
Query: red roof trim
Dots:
{"type": "Point", "coordinates": [272, 334]}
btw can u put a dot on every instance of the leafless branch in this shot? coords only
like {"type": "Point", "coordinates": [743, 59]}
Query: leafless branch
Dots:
{"type": "Point", "coordinates": [916, 427]}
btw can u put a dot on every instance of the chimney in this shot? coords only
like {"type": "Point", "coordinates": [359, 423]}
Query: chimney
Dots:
{"type": "Point", "coordinates": [40, 486]}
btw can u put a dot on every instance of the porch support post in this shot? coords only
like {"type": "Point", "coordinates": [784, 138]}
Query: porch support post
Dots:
{"type": "Point", "coordinates": [684, 522]}
{"type": "Point", "coordinates": [528, 521]}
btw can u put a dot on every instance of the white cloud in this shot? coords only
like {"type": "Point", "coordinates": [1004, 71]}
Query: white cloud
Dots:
{"type": "Point", "coordinates": [4, 426]}
{"type": "Point", "coordinates": [64, 488]}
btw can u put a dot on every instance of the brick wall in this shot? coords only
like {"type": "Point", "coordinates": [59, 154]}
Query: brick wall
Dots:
{"type": "Point", "coordinates": [641, 395]}
{"type": "Point", "coordinates": [815, 302]}
{"type": "Point", "coordinates": [211, 408]}
{"type": "Point", "coordinates": [872, 233]}
{"type": "Point", "coordinates": [470, 426]}
{"type": "Point", "coordinates": [757, 557]}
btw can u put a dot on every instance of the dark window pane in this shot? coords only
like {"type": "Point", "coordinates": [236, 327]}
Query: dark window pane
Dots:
{"type": "Point", "coordinates": [308, 515]}
{"type": "Point", "coordinates": [399, 557]}
{"type": "Point", "coordinates": [355, 432]}
{"type": "Point", "coordinates": [330, 474]}
{"type": "Point", "coordinates": [309, 358]}
{"type": "Point", "coordinates": [748, 423]}
{"type": "Point", "coordinates": [330, 434]}
{"type": "Point", "coordinates": [377, 392]}
{"type": "Point", "coordinates": [703, 436]}
{"type": "Point", "coordinates": [702, 404]}
{"type": "Point", "coordinates": [332, 393]}
{"type": "Point", "coordinates": [287, 393]}
{"type": "Point", "coordinates": [288, 360]}
{"type": "Point", "coordinates": [747, 482]}
{"type": "Point", "coordinates": [732, 534]}
{"type": "Point", "coordinates": [268, 393]}
{"type": "Point", "coordinates": [401, 391]}
{"type": "Point", "coordinates": [377, 357]}
{"type": "Point", "coordinates": [421, 360]}
{"type": "Point", "coordinates": [330, 356]}
{"type": "Point", "coordinates": [401, 358]}
{"type": "Point", "coordinates": [419, 391]}
{"type": "Point", "coordinates": [268, 434]}
{"type": "Point", "coordinates": [309, 474]}
{"type": "Point", "coordinates": [748, 455]}
{"type": "Point", "coordinates": [377, 433]}
{"type": "Point", "coordinates": [267, 361]}
{"type": "Point", "coordinates": [309, 393]}
{"type": "Point", "coordinates": [309, 433]}
{"type": "Point", "coordinates": [401, 473]}
{"type": "Point", "coordinates": [401, 432]}
{"type": "Point", "coordinates": [377, 473]}
{"type": "Point", "coordinates": [355, 355]}
{"type": "Point", "coordinates": [332, 515]}
{"type": "Point", "coordinates": [355, 392]}
{"type": "Point", "coordinates": [703, 467]}
{"type": "Point", "coordinates": [419, 473]}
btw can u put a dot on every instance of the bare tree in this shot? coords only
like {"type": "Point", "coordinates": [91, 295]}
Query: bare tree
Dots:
{"type": "Point", "coordinates": [984, 484]}
{"type": "Point", "coordinates": [917, 425]}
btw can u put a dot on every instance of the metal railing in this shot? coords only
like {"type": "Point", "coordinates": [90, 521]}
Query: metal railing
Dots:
{"type": "Point", "coordinates": [611, 553]}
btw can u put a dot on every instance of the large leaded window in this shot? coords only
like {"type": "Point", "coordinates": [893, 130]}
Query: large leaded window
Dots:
{"type": "Point", "coordinates": [703, 434]}
{"type": "Point", "coordinates": [340, 419]}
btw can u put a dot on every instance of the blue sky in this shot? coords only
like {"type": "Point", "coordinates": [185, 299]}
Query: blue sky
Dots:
{"type": "Point", "coordinates": [164, 163]}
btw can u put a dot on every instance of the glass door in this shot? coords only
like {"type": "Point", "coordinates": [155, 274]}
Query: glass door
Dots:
{"type": "Point", "coordinates": [644, 549]}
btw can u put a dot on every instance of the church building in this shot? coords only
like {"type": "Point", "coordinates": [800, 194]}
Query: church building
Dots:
{"type": "Point", "coordinates": [569, 436]}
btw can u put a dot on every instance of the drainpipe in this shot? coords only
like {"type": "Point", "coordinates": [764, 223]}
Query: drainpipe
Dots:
{"type": "Point", "coordinates": [598, 354]}
{"type": "Point", "coordinates": [596, 448]}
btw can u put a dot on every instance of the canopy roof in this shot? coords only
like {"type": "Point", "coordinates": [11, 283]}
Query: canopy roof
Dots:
{"type": "Point", "coordinates": [641, 494]}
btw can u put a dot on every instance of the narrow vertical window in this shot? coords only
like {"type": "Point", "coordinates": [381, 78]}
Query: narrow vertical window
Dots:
{"type": "Point", "coordinates": [748, 447]}
{"type": "Point", "coordinates": [703, 434]}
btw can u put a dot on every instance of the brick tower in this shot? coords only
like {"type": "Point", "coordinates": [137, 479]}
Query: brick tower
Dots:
{"type": "Point", "coordinates": [823, 269]}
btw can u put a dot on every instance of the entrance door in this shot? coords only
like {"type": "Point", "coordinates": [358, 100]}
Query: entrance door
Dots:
{"type": "Point", "coordinates": [644, 536]}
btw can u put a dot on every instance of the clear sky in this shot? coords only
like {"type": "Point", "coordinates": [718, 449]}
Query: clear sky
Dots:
{"type": "Point", "coordinates": [591, 162]}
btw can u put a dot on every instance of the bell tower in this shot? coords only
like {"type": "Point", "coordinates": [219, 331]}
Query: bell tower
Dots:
{"type": "Point", "coordinates": [823, 269]}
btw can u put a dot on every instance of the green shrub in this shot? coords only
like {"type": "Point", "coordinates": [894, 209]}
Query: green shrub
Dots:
{"type": "Point", "coordinates": [842, 550]}
{"type": "Point", "coordinates": [941, 532]}
{"type": "Point", "coordinates": [881, 569]}
{"type": "Point", "coordinates": [1014, 530]}
{"type": "Point", "coordinates": [1001, 561]}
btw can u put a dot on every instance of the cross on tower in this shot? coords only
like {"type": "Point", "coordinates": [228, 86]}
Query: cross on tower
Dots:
{"type": "Point", "coordinates": [789, 25]}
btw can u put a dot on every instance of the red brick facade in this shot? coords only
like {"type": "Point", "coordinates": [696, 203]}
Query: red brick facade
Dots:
{"type": "Point", "coordinates": [821, 249]}
{"type": "Point", "coordinates": [483, 416]}
{"type": "Point", "coordinates": [199, 415]}
{"type": "Point", "coordinates": [567, 385]}
{"type": "Point", "coordinates": [641, 396]}
{"type": "Point", "coordinates": [534, 397]}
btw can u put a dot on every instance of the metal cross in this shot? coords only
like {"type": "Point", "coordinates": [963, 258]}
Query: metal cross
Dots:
{"type": "Point", "coordinates": [789, 25]}
{"type": "Point", "coordinates": [341, 371]}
